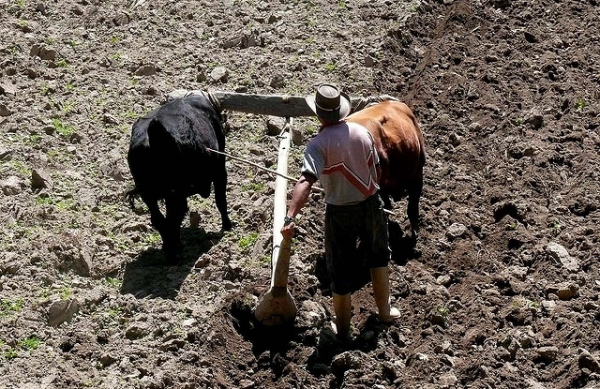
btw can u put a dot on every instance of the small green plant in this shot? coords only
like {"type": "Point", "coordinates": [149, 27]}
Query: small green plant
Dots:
{"type": "Point", "coordinates": [443, 311]}
{"type": "Point", "coordinates": [20, 167]}
{"type": "Point", "coordinates": [330, 67]}
{"type": "Point", "coordinates": [254, 187]}
{"type": "Point", "coordinates": [311, 130]}
{"type": "Point", "coordinates": [581, 104]}
{"type": "Point", "coordinates": [62, 63]}
{"type": "Point", "coordinates": [64, 293]}
{"type": "Point", "coordinates": [116, 56]}
{"type": "Point", "coordinates": [50, 40]}
{"type": "Point", "coordinates": [44, 88]}
{"type": "Point", "coordinates": [68, 106]}
{"type": "Point", "coordinates": [114, 282]}
{"type": "Point", "coordinates": [70, 86]}
{"type": "Point", "coordinates": [35, 139]}
{"type": "Point", "coordinates": [115, 40]}
{"type": "Point", "coordinates": [130, 114]}
{"type": "Point", "coordinates": [246, 242]}
{"type": "Point", "coordinates": [342, 4]}
{"type": "Point", "coordinates": [30, 343]}
{"type": "Point", "coordinates": [9, 354]}
{"type": "Point", "coordinates": [152, 239]}
{"type": "Point", "coordinates": [9, 308]}
{"type": "Point", "coordinates": [63, 129]}
{"type": "Point", "coordinates": [14, 50]}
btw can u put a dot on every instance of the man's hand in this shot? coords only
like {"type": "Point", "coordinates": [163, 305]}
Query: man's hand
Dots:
{"type": "Point", "coordinates": [299, 197]}
{"type": "Point", "coordinates": [288, 230]}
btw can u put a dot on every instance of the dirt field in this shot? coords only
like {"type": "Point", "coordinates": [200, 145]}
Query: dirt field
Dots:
{"type": "Point", "coordinates": [501, 291]}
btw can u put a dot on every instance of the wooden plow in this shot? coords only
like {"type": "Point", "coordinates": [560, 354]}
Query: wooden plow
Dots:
{"type": "Point", "coordinates": [277, 306]}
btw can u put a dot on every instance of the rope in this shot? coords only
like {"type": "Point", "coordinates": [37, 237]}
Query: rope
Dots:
{"type": "Point", "coordinates": [315, 188]}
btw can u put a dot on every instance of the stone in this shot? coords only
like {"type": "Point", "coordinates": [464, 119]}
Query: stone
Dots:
{"type": "Point", "coordinates": [456, 230]}
{"type": "Point", "coordinates": [560, 255]}
{"type": "Point", "coordinates": [62, 311]}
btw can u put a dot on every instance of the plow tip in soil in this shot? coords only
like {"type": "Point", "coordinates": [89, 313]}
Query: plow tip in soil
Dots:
{"type": "Point", "coordinates": [276, 308]}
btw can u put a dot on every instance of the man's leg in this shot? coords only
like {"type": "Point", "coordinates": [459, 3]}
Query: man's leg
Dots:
{"type": "Point", "coordinates": [381, 291]}
{"type": "Point", "coordinates": [342, 306]}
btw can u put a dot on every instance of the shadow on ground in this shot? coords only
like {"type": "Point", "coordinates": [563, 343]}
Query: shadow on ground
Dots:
{"type": "Point", "coordinates": [149, 274]}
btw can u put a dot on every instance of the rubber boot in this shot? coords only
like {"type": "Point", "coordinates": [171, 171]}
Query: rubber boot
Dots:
{"type": "Point", "coordinates": [342, 306]}
{"type": "Point", "coordinates": [381, 291]}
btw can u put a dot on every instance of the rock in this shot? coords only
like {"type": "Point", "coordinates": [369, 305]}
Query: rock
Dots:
{"type": "Point", "coordinates": [45, 53]}
{"type": "Point", "coordinates": [547, 354]}
{"type": "Point", "coordinates": [369, 61]}
{"type": "Point", "coordinates": [447, 380]}
{"type": "Point", "coordinates": [82, 263]}
{"type": "Point", "coordinates": [444, 280]}
{"type": "Point", "coordinates": [456, 230]}
{"type": "Point", "coordinates": [560, 255]}
{"type": "Point", "coordinates": [535, 119]}
{"type": "Point", "coordinates": [311, 314]}
{"type": "Point", "coordinates": [219, 74]}
{"type": "Point", "coordinates": [347, 360]}
{"type": "Point", "coordinates": [12, 185]}
{"type": "Point", "coordinates": [277, 82]}
{"type": "Point", "coordinates": [567, 291]}
{"type": "Point", "coordinates": [247, 384]}
{"type": "Point", "coordinates": [548, 305]}
{"type": "Point", "coordinates": [40, 180]}
{"type": "Point", "coordinates": [588, 361]}
{"type": "Point", "coordinates": [7, 89]}
{"type": "Point", "coordinates": [107, 360]}
{"type": "Point", "coordinates": [275, 125]}
{"type": "Point", "coordinates": [146, 70]}
{"type": "Point", "coordinates": [4, 111]}
{"type": "Point", "coordinates": [62, 311]}
{"type": "Point", "coordinates": [137, 331]}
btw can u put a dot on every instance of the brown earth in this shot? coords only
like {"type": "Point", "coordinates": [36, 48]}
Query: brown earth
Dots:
{"type": "Point", "coordinates": [501, 290]}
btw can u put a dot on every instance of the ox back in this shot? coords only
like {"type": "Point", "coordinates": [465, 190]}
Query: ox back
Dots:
{"type": "Point", "coordinates": [401, 148]}
{"type": "Point", "coordinates": [168, 161]}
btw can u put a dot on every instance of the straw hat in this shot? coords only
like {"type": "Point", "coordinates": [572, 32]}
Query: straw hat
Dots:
{"type": "Point", "coordinates": [329, 103]}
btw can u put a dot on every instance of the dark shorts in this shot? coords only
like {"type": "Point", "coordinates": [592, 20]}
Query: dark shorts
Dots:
{"type": "Point", "coordinates": [356, 239]}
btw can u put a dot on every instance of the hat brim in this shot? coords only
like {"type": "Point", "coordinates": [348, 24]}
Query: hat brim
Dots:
{"type": "Point", "coordinates": [331, 116]}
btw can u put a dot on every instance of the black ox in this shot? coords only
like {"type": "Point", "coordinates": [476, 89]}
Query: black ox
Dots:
{"type": "Point", "coordinates": [169, 161]}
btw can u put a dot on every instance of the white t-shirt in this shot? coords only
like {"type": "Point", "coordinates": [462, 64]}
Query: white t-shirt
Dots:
{"type": "Point", "coordinates": [343, 157]}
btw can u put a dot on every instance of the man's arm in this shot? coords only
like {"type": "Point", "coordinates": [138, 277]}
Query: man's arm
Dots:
{"type": "Point", "coordinates": [299, 198]}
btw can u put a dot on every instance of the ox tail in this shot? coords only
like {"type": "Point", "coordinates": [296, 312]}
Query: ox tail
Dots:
{"type": "Point", "coordinates": [130, 196]}
{"type": "Point", "coordinates": [422, 155]}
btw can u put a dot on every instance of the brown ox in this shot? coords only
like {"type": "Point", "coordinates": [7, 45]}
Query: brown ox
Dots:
{"type": "Point", "coordinates": [400, 145]}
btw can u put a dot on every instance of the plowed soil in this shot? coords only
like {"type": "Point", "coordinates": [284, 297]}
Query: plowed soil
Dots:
{"type": "Point", "coordinates": [500, 291]}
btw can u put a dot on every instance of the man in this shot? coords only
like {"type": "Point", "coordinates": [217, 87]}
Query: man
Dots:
{"type": "Point", "coordinates": [342, 156]}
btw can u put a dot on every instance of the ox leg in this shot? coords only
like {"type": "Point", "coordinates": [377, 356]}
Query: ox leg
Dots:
{"type": "Point", "coordinates": [220, 184]}
{"type": "Point", "coordinates": [385, 196]}
{"type": "Point", "coordinates": [414, 195]}
{"type": "Point", "coordinates": [156, 217]}
{"type": "Point", "coordinates": [176, 210]}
